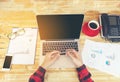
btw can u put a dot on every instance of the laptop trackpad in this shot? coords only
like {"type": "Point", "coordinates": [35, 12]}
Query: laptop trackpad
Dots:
{"type": "Point", "coordinates": [63, 62]}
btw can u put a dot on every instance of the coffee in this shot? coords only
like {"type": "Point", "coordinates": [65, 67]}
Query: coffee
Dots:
{"type": "Point", "coordinates": [93, 25]}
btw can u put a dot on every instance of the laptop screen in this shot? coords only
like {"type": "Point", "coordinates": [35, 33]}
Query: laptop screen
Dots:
{"type": "Point", "coordinates": [64, 26]}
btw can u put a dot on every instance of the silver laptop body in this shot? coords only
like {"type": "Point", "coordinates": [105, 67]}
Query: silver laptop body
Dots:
{"type": "Point", "coordinates": [59, 32]}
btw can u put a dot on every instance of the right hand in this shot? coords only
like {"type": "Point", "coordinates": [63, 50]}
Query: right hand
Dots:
{"type": "Point", "coordinates": [73, 54]}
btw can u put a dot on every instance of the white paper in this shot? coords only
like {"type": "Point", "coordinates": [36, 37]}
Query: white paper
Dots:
{"type": "Point", "coordinates": [102, 56]}
{"type": "Point", "coordinates": [23, 47]}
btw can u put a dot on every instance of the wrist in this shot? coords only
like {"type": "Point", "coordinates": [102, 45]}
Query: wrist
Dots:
{"type": "Point", "coordinates": [42, 69]}
{"type": "Point", "coordinates": [81, 67]}
{"type": "Point", "coordinates": [79, 64]}
{"type": "Point", "coordinates": [44, 66]}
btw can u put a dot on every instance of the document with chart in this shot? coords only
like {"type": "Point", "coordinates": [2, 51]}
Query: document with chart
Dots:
{"type": "Point", "coordinates": [23, 45]}
{"type": "Point", "coordinates": [102, 56]}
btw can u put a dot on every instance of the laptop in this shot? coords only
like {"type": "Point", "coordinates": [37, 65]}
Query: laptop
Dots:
{"type": "Point", "coordinates": [59, 32]}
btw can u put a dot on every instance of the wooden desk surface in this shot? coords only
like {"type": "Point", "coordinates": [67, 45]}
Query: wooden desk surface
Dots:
{"type": "Point", "coordinates": [21, 73]}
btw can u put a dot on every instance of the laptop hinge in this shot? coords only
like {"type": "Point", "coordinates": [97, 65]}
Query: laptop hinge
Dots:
{"type": "Point", "coordinates": [61, 40]}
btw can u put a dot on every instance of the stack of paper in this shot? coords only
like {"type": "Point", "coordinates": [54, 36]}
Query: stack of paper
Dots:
{"type": "Point", "coordinates": [102, 56]}
{"type": "Point", "coordinates": [23, 47]}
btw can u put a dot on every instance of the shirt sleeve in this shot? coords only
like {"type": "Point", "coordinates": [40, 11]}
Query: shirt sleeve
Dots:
{"type": "Point", "coordinates": [83, 74]}
{"type": "Point", "coordinates": [38, 76]}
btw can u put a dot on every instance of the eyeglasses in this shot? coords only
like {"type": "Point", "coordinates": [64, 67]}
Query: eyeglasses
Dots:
{"type": "Point", "coordinates": [17, 33]}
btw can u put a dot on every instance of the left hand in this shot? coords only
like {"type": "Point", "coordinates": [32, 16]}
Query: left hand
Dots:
{"type": "Point", "coordinates": [50, 58]}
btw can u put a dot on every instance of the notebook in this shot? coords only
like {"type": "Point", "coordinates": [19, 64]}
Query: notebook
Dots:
{"type": "Point", "coordinates": [59, 32]}
{"type": "Point", "coordinates": [23, 46]}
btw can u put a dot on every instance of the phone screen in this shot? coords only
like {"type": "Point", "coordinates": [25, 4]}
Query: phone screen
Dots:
{"type": "Point", "coordinates": [7, 62]}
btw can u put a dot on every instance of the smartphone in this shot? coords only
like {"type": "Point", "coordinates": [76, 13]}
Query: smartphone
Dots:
{"type": "Point", "coordinates": [7, 62]}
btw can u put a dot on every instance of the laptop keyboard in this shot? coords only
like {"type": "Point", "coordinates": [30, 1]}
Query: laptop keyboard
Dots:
{"type": "Point", "coordinates": [59, 46]}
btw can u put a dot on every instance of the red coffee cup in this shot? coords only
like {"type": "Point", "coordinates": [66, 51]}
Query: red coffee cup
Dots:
{"type": "Point", "coordinates": [91, 28]}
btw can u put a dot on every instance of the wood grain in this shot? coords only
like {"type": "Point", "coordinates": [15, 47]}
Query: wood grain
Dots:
{"type": "Point", "coordinates": [22, 13]}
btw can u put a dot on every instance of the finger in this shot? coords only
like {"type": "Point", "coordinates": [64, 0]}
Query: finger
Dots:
{"type": "Point", "coordinates": [75, 53]}
{"type": "Point", "coordinates": [55, 54]}
{"type": "Point", "coordinates": [52, 53]}
{"type": "Point", "coordinates": [55, 57]}
{"type": "Point", "coordinates": [70, 51]}
{"type": "Point", "coordinates": [70, 55]}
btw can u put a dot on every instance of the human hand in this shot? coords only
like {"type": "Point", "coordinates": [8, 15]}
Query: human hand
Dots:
{"type": "Point", "coordinates": [50, 58]}
{"type": "Point", "coordinates": [73, 54]}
